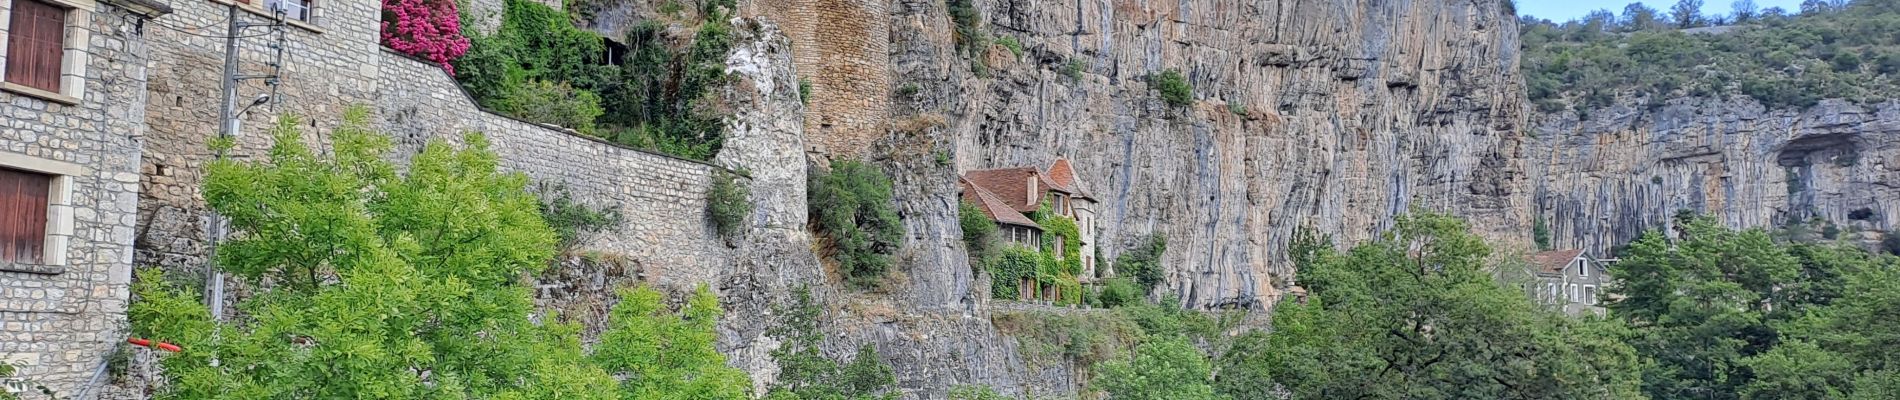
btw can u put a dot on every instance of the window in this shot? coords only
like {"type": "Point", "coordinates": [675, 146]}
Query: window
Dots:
{"type": "Point", "coordinates": [1574, 296]}
{"type": "Point", "coordinates": [1059, 252]}
{"type": "Point", "coordinates": [36, 44]}
{"type": "Point", "coordinates": [1589, 294]}
{"type": "Point", "coordinates": [292, 9]}
{"type": "Point", "coordinates": [1583, 268]}
{"type": "Point", "coordinates": [23, 206]}
{"type": "Point", "coordinates": [1550, 290]}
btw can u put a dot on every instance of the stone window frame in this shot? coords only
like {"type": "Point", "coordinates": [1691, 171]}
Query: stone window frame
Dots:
{"type": "Point", "coordinates": [256, 7]}
{"type": "Point", "coordinates": [59, 210]}
{"type": "Point", "coordinates": [73, 56]}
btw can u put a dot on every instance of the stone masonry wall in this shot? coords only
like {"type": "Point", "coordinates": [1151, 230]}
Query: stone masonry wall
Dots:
{"type": "Point", "coordinates": [842, 49]}
{"type": "Point", "coordinates": [61, 326]}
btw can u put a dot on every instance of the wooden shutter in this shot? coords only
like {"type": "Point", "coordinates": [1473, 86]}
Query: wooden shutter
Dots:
{"type": "Point", "coordinates": [22, 215]}
{"type": "Point", "coordinates": [35, 44]}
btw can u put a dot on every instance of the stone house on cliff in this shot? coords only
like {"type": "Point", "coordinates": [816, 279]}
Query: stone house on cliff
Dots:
{"type": "Point", "coordinates": [72, 106]}
{"type": "Point", "coordinates": [1008, 195]}
{"type": "Point", "coordinates": [1569, 280]}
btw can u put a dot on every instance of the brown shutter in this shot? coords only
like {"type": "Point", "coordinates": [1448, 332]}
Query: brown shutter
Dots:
{"type": "Point", "coordinates": [22, 215]}
{"type": "Point", "coordinates": [35, 44]}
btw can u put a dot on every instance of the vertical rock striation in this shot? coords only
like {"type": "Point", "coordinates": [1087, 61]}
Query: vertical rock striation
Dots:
{"type": "Point", "coordinates": [1607, 178]}
{"type": "Point", "coordinates": [1333, 115]}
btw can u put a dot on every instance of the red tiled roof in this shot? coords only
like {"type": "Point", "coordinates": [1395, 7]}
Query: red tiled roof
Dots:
{"type": "Point", "coordinates": [1011, 185]}
{"type": "Point", "coordinates": [1554, 261]}
{"type": "Point", "coordinates": [994, 207]}
{"type": "Point", "coordinates": [1062, 175]}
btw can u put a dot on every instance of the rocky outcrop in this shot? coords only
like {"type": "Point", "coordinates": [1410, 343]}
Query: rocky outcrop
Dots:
{"type": "Point", "coordinates": [1606, 178]}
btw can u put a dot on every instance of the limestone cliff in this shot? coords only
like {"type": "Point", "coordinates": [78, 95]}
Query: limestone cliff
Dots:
{"type": "Point", "coordinates": [1334, 115]}
{"type": "Point", "coordinates": [1625, 169]}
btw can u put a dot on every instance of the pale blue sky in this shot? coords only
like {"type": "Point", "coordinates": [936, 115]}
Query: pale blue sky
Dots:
{"type": "Point", "coordinates": [1565, 10]}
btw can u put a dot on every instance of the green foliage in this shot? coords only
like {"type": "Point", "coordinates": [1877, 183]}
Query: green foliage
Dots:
{"type": "Point", "coordinates": [664, 355]}
{"type": "Point", "coordinates": [1727, 314]}
{"type": "Point", "coordinates": [1242, 373]}
{"type": "Point", "coordinates": [1779, 61]}
{"type": "Point", "coordinates": [1009, 42]}
{"type": "Point", "coordinates": [550, 103]}
{"type": "Point", "coordinates": [8, 371]}
{"type": "Point", "coordinates": [908, 90]}
{"type": "Point", "coordinates": [804, 371]}
{"type": "Point", "coordinates": [572, 220]}
{"type": "Point", "coordinates": [971, 392]}
{"type": "Point", "coordinates": [1416, 313]}
{"type": "Point", "coordinates": [1540, 233]}
{"type": "Point", "coordinates": [1173, 86]}
{"type": "Point", "coordinates": [970, 38]}
{"type": "Point", "coordinates": [364, 276]}
{"type": "Point", "coordinates": [1143, 262]}
{"type": "Point", "coordinates": [1237, 108]}
{"type": "Point", "coordinates": [1165, 369]}
{"type": "Point", "coordinates": [979, 233]}
{"type": "Point", "coordinates": [729, 202]}
{"type": "Point", "coordinates": [853, 208]}
{"type": "Point", "coordinates": [538, 66]}
{"type": "Point", "coordinates": [1074, 68]}
{"type": "Point", "coordinates": [804, 91]}
{"type": "Point", "coordinates": [1013, 264]}
{"type": "Point", "coordinates": [1120, 291]}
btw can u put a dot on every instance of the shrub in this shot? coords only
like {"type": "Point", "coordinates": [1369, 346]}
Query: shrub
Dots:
{"type": "Point", "coordinates": [1143, 262]}
{"type": "Point", "coordinates": [430, 29]}
{"type": "Point", "coordinates": [970, 39]}
{"type": "Point", "coordinates": [1237, 108]}
{"type": "Point", "coordinates": [1009, 42]}
{"type": "Point", "coordinates": [1174, 88]}
{"type": "Point", "coordinates": [852, 207]}
{"type": "Point", "coordinates": [1074, 68]}
{"type": "Point", "coordinates": [728, 203]}
{"type": "Point", "coordinates": [571, 219]}
{"type": "Point", "coordinates": [806, 373]}
{"type": "Point", "coordinates": [1540, 233]}
{"type": "Point", "coordinates": [978, 231]}
{"type": "Point", "coordinates": [804, 91]}
{"type": "Point", "coordinates": [551, 103]}
{"type": "Point", "coordinates": [1120, 291]}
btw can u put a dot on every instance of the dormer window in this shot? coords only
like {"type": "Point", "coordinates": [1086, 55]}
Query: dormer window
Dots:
{"type": "Point", "coordinates": [1583, 268]}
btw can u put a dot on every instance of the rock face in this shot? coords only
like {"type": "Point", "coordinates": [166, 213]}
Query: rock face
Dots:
{"type": "Point", "coordinates": [1334, 115]}
{"type": "Point", "coordinates": [1607, 178]}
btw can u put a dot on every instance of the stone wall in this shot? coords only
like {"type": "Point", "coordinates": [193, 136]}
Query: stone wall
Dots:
{"type": "Point", "coordinates": [62, 325]}
{"type": "Point", "coordinates": [1625, 169]}
{"type": "Point", "coordinates": [842, 49]}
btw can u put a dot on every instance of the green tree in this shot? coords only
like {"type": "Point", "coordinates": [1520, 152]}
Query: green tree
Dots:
{"type": "Point", "coordinates": [1417, 314]}
{"type": "Point", "coordinates": [664, 355]}
{"type": "Point", "coordinates": [805, 372]}
{"type": "Point", "coordinates": [1165, 369]}
{"type": "Point", "coordinates": [1143, 262]}
{"type": "Point", "coordinates": [1242, 373]}
{"type": "Point", "coordinates": [853, 208]}
{"type": "Point", "coordinates": [979, 233]}
{"type": "Point", "coordinates": [370, 283]}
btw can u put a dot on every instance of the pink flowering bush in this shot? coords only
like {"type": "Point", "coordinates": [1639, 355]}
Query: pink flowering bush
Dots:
{"type": "Point", "coordinates": [430, 29]}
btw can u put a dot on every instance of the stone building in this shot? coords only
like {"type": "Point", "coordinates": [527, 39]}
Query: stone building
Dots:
{"type": "Point", "coordinates": [1007, 195]}
{"type": "Point", "coordinates": [1570, 280]}
{"type": "Point", "coordinates": [72, 105]}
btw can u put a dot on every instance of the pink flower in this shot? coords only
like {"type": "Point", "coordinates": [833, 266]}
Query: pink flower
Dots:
{"type": "Point", "coordinates": [427, 29]}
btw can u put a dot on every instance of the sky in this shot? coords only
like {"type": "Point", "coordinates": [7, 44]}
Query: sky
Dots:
{"type": "Point", "coordinates": [1564, 10]}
